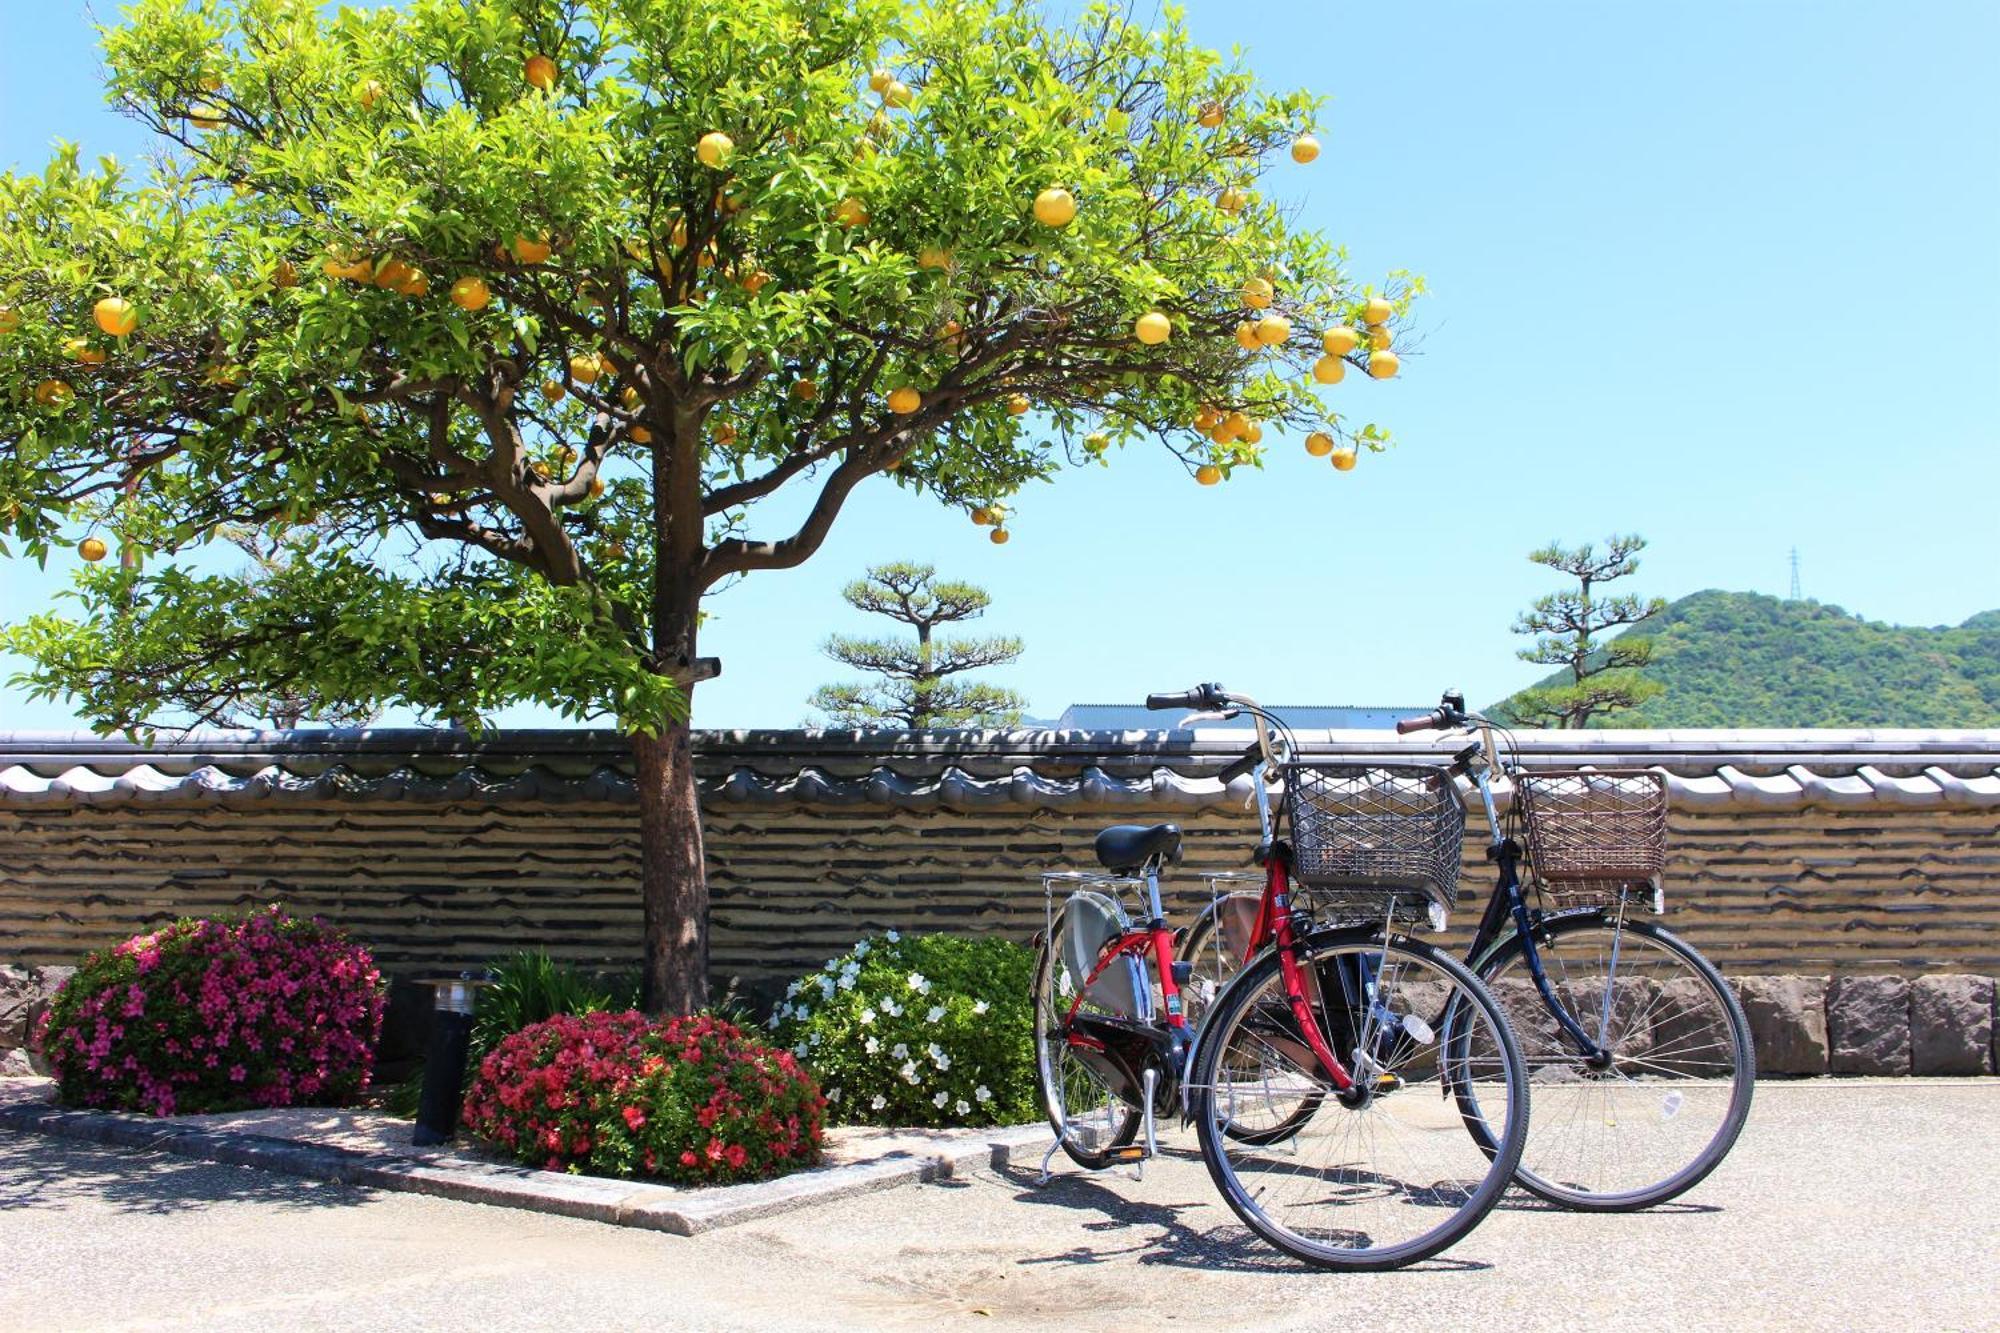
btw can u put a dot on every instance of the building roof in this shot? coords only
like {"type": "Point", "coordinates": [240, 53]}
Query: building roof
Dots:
{"type": "Point", "coordinates": [1137, 717]}
{"type": "Point", "coordinates": [954, 769]}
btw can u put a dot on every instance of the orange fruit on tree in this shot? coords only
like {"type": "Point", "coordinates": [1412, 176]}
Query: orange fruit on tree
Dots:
{"type": "Point", "coordinates": [755, 281]}
{"type": "Point", "coordinates": [530, 249]}
{"type": "Point", "coordinates": [225, 376]}
{"type": "Point", "coordinates": [1232, 199]}
{"type": "Point", "coordinates": [640, 435]}
{"type": "Point", "coordinates": [115, 315]}
{"type": "Point", "coordinates": [369, 93]}
{"type": "Point", "coordinates": [715, 149]}
{"type": "Point", "coordinates": [934, 257]}
{"type": "Point", "coordinates": [1238, 425]}
{"type": "Point", "coordinates": [1305, 148]}
{"type": "Point", "coordinates": [1208, 474]}
{"type": "Point", "coordinates": [392, 273]}
{"type": "Point", "coordinates": [1257, 293]}
{"type": "Point", "coordinates": [905, 400]}
{"type": "Point", "coordinates": [554, 391]}
{"type": "Point", "coordinates": [1246, 336]}
{"type": "Point", "coordinates": [80, 350]}
{"type": "Point", "coordinates": [471, 293]}
{"type": "Point", "coordinates": [1341, 340]}
{"type": "Point", "coordinates": [1383, 364]}
{"type": "Point", "coordinates": [92, 549]}
{"type": "Point", "coordinates": [1096, 442]}
{"type": "Point", "coordinates": [951, 333]}
{"type": "Point", "coordinates": [1377, 311]}
{"type": "Point", "coordinates": [596, 487]}
{"type": "Point", "coordinates": [1152, 328]}
{"type": "Point", "coordinates": [1209, 116]}
{"type": "Point", "coordinates": [1319, 444]}
{"type": "Point", "coordinates": [725, 434]}
{"type": "Point", "coordinates": [205, 117]}
{"type": "Point", "coordinates": [630, 397]}
{"type": "Point", "coordinates": [1205, 417]}
{"type": "Point", "coordinates": [1273, 329]}
{"type": "Point", "coordinates": [211, 82]}
{"type": "Point", "coordinates": [1055, 207]}
{"type": "Point", "coordinates": [998, 536]}
{"type": "Point", "coordinates": [1018, 405]}
{"type": "Point", "coordinates": [850, 212]}
{"type": "Point", "coordinates": [880, 80]}
{"type": "Point", "coordinates": [1379, 337]}
{"type": "Point", "coordinates": [10, 319]}
{"type": "Point", "coordinates": [540, 72]}
{"type": "Point", "coordinates": [286, 274]}
{"type": "Point", "coordinates": [897, 94]}
{"type": "Point", "coordinates": [1254, 435]}
{"type": "Point", "coordinates": [1343, 460]}
{"type": "Point", "coordinates": [805, 390]}
{"type": "Point", "coordinates": [585, 367]}
{"type": "Point", "coordinates": [983, 516]}
{"type": "Point", "coordinates": [1329, 370]}
{"type": "Point", "coordinates": [417, 284]}
{"type": "Point", "coordinates": [53, 393]}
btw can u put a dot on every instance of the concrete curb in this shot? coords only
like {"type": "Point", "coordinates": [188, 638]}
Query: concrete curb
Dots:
{"type": "Point", "coordinates": [593, 1198]}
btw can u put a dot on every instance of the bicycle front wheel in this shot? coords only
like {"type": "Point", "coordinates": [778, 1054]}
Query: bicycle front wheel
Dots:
{"type": "Point", "coordinates": [1383, 1174]}
{"type": "Point", "coordinates": [1090, 1120]}
{"type": "Point", "coordinates": [1661, 1111]}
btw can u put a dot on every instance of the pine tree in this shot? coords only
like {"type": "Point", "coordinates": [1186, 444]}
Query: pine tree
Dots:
{"type": "Point", "coordinates": [914, 691]}
{"type": "Point", "coordinates": [1569, 626]}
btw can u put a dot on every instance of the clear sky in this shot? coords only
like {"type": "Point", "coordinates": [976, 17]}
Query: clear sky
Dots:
{"type": "Point", "coordinates": [1725, 274]}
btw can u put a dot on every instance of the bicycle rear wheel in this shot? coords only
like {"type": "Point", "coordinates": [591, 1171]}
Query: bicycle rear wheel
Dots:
{"type": "Point", "coordinates": [1668, 1105]}
{"type": "Point", "coordinates": [1089, 1119]}
{"type": "Point", "coordinates": [1384, 1175]}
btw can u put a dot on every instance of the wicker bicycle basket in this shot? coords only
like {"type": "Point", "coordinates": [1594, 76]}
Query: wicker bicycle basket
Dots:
{"type": "Point", "coordinates": [1594, 834]}
{"type": "Point", "coordinates": [1374, 838]}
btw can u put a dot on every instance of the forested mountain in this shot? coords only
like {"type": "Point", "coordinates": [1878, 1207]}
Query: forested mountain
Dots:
{"type": "Point", "coordinates": [1740, 659]}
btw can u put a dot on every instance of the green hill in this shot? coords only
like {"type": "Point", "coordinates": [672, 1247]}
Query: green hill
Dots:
{"type": "Point", "coordinates": [1741, 659]}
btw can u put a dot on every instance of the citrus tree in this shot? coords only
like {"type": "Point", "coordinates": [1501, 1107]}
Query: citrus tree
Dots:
{"type": "Point", "coordinates": [515, 310]}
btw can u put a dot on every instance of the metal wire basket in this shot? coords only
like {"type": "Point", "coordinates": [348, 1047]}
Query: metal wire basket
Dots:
{"type": "Point", "coordinates": [1374, 838]}
{"type": "Point", "coordinates": [1595, 834]}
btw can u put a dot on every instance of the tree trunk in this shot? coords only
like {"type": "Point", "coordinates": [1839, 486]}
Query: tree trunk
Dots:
{"type": "Point", "coordinates": [672, 874]}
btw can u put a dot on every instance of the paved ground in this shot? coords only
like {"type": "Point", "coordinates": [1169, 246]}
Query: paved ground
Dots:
{"type": "Point", "coordinates": [1846, 1204]}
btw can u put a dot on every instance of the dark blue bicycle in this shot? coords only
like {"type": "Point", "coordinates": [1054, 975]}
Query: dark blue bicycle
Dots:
{"type": "Point", "coordinates": [1639, 1055]}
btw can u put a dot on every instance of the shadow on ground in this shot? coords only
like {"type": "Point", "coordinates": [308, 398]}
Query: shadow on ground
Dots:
{"type": "Point", "coordinates": [36, 1171]}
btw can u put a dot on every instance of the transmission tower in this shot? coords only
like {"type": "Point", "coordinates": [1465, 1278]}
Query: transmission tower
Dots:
{"type": "Point", "coordinates": [1797, 596]}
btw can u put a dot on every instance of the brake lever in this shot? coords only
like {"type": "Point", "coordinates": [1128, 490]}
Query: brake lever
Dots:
{"type": "Point", "coordinates": [1218, 715]}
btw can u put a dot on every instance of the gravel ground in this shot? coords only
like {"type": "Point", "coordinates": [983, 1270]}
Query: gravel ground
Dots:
{"type": "Point", "coordinates": [1845, 1202]}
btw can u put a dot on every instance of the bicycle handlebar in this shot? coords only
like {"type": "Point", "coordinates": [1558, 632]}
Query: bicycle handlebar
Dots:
{"type": "Point", "coordinates": [1245, 764]}
{"type": "Point", "coordinates": [1202, 698]}
{"type": "Point", "coordinates": [1430, 721]}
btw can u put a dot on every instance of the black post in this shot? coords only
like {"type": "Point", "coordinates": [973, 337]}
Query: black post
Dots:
{"type": "Point", "coordinates": [444, 1067]}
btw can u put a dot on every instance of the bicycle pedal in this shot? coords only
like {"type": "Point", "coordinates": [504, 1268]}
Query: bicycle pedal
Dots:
{"type": "Point", "coordinates": [1388, 1082]}
{"type": "Point", "coordinates": [1131, 1152]}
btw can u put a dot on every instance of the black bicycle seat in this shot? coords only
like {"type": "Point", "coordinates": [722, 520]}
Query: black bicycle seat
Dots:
{"type": "Point", "coordinates": [1126, 847]}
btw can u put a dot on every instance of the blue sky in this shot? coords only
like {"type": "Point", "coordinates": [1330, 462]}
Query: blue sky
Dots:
{"type": "Point", "coordinates": [1722, 274]}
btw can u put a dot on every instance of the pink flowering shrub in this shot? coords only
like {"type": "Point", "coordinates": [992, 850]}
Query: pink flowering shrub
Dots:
{"type": "Point", "coordinates": [218, 1016]}
{"type": "Point", "coordinates": [691, 1100]}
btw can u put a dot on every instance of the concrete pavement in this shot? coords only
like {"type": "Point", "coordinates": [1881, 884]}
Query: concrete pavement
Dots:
{"type": "Point", "coordinates": [1845, 1204]}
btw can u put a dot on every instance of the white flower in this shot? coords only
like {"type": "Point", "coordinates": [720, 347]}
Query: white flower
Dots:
{"type": "Point", "coordinates": [800, 1050]}
{"type": "Point", "coordinates": [894, 1010]}
{"type": "Point", "coordinates": [887, 1006]}
{"type": "Point", "coordinates": [981, 1007]}
{"type": "Point", "coordinates": [983, 1093]}
{"type": "Point", "coordinates": [963, 1108]}
{"type": "Point", "coordinates": [944, 1061]}
{"type": "Point", "coordinates": [871, 1046]}
{"type": "Point", "coordinates": [815, 1036]}
{"type": "Point", "coordinates": [892, 937]}
{"type": "Point", "coordinates": [879, 1102]}
{"type": "Point", "coordinates": [772, 1022]}
{"type": "Point", "coordinates": [801, 1013]}
{"type": "Point", "coordinates": [847, 981]}
{"type": "Point", "coordinates": [791, 990]}
{"type": "Point", "coordinates": [917, 982]}
{"type": "Point", "coordinates": [833, 1095]}
{"type": "Point", "coordinates": [908, 1071]}
{"type": "Point", "coordinates": [939, 1100]}
{"type": "Point", "coordinates": [826, 987]}
{"type": "Point", "coordinates": [867, 1015]}
{"type": "Point", "coordinates": [937, 1012]}
{"type": "Point", "coordinates": [861, 949]}
{"type": "Point", "coordinates": [900, 1051]}
{"type": "Point", "coordinates": [934, 1051]}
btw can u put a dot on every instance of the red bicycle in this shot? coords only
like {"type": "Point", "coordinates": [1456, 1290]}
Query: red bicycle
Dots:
{"type": "Point", "coordinates": [1358, 1097]}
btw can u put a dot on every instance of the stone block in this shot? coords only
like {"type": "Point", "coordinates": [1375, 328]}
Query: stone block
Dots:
{"type": "Point", "coordinates": [20, 990]}
{"type": "Point", "coordinates": [1868, 1019]}
{"type": "Point", "coordinates": [1951, 1025]}
{"type": "Point", "coordinates": [1788, 1022]}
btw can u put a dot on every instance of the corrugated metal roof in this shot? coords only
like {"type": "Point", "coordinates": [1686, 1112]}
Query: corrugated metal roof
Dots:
{"type": "Point", "coordinates": [970, 769]}
{"type": "Point", "coordinates": [1337, 717]}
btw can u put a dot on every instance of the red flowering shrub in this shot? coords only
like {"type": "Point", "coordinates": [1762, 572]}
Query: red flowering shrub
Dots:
{"type": "Point", "coordinates": [691, 1100]}
{"type": "Point", "coordinates": [218, 1016]}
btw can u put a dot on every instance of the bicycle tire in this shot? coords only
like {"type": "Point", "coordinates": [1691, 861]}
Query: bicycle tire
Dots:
{"type": "Point", "coordinates": [1211, 971]}
{"type": "Point", "coordinates": [1399, 1123]}
{"type": "Point", "coordinates": [1708, 1043]}
{"type": "Point", "coordinates": [1060, 1078]}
